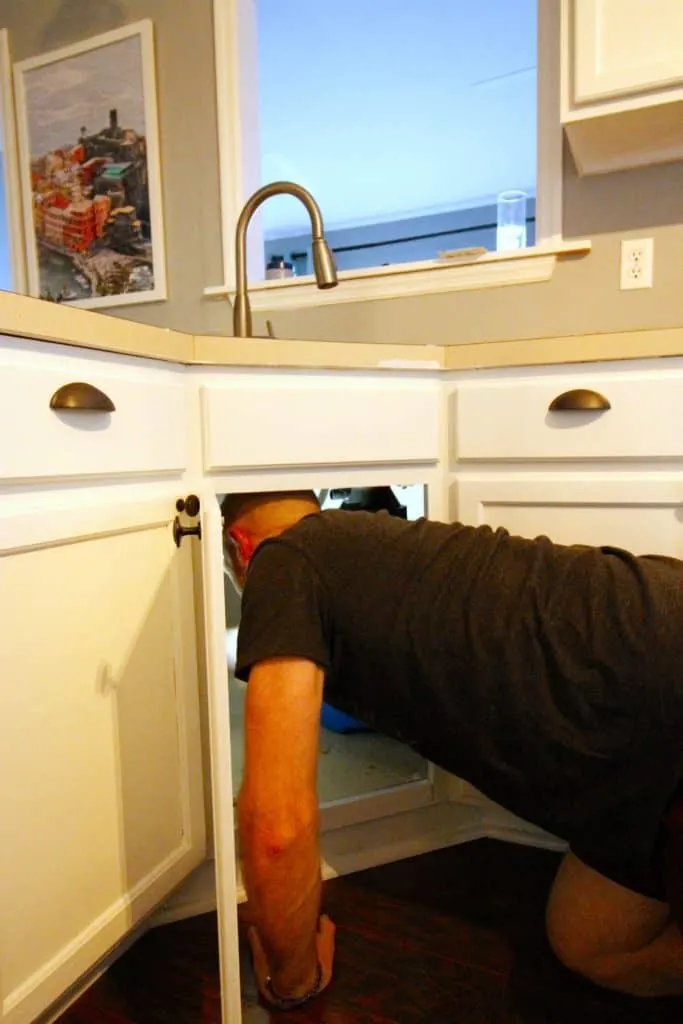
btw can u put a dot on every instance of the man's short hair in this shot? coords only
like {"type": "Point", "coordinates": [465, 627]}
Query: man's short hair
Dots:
{"type": "Point", "coordinates": [233, 506]}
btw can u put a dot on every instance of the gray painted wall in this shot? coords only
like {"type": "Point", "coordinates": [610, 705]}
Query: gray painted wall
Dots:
{"type": "Point", "coordinates": [187, 116]}
{"type": "Point", "coordinates": [583, 296]}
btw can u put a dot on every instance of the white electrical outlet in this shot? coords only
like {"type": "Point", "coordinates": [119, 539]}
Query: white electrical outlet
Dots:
{"type": "Point", "coordinates": [637, 258]}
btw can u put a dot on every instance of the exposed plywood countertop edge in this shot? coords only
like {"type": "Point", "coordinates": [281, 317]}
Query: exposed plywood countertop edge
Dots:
{"type": "Point", "coordinates": [583, 348]}
{"type": "Point", "coordinates": [319, 355]}
{"type": "Point", "coordinates": [260, 352]}
{"type": "Point", "coordinates": [25, 317]}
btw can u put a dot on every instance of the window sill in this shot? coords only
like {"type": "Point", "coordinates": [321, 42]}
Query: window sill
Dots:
{"type": "Point", "coordinates": [491, 270]}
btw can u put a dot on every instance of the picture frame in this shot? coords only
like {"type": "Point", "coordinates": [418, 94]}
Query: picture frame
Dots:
{"type": "Point", "coordinates": [90, 171]}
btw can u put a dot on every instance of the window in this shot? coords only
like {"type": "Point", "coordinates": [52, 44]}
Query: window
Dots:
{"type": "Point", "coordinates": [405, 121]}
{"type": "Point", "coordinates": [12, 269]}
{"type": "Point", "coordinates": [6, 279]}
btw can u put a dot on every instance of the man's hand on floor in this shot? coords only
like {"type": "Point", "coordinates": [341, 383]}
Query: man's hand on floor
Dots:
{"type": "Point", "coordinates": [325, 945]}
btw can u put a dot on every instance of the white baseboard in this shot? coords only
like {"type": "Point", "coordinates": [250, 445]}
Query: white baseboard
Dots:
{"type": "Point", "coordinates": [371, 843]}
{"type": "Point", "coordinates": [196, 896]}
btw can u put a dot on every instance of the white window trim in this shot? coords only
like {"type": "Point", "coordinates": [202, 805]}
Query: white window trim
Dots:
{"type": "Point", "coordinates": [238, 143]}
{"type": "Point", "coordinates": [10, 159]}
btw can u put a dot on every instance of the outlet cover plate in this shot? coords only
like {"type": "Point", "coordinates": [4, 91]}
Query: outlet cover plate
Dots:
{"type": "Point", "coordinates": [637, 263]}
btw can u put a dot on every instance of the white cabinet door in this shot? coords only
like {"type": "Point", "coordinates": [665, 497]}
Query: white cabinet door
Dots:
{"type": "Point", "coordinates": [621, 47]}
{"type": "Point", "coordinates": [637, 512]}
{"type": "Point", "coordinates": [101, 796]}
{"type": "Point", "coordinates": [225, 860]}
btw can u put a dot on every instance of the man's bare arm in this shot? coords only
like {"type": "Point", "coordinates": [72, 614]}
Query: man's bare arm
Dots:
{"type": "Point", "coordinates": [278, 817]}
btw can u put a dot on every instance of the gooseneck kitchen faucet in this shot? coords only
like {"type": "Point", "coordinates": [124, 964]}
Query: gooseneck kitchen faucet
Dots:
{"type": "Point", "coordinates": [323, 261]}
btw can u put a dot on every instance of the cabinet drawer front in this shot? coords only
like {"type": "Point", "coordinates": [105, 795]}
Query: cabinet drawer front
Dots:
{"type": "Point", "coordinates": [319, 421]}
{"type": "Point", "coordinates": [512, 419]}
{"type": "Point", "coordinates": [146, 432]}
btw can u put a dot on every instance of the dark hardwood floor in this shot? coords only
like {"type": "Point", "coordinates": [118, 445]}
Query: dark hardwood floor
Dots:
{"type": "Point", "coordinates": [454, 937]}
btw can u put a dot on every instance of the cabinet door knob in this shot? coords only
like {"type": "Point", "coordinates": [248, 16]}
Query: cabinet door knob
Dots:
{"type": "Point", "coordinates": [580, 399]}
{"type": "Point", "coordinates": [81, 397]}
{"type": "Point", "coordinates": [189, 505]}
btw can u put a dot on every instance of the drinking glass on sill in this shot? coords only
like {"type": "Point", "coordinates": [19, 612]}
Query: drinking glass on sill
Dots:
{"type": "Point", "coordinates": [511, 229]}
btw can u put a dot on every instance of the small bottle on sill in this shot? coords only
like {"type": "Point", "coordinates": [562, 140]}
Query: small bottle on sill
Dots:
{"type": "Point", "coordinates": [277, 268]}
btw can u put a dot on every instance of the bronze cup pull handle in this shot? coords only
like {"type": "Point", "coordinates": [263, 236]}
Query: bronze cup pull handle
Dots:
{"type": "Point", "coordinates": [580, 400]}
{"type": "Point", "coordinates": [81, 397]}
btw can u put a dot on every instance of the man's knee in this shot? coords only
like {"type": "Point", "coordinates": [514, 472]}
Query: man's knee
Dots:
{"type": "Point", "coordinates": [579, 956]}
{"type": "Point", "coordinates": [571, 946]}
{"type": "Point", "coordinates": [592, 923]}
{"type": "Point", "coordinates": [571, 928]}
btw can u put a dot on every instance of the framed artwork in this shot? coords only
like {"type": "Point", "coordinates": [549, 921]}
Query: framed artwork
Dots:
{"type": "Point", "coordinates": [90, 171]}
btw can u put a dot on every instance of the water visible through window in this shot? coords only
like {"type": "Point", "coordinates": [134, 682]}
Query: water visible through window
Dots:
{"type": "Point", "coordinates": [406, 121]}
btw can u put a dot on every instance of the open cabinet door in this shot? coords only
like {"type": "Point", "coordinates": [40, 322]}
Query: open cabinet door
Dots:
{"type": "Point", "coordinates": [221, 770]}
{"type": "Point", "coordinates": [101, 797]}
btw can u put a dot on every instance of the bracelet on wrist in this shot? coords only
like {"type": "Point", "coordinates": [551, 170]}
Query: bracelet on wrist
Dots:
{"type": "Point", "coordinates": [293, 1002]}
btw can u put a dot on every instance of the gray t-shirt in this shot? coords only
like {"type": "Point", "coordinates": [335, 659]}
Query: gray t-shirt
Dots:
{"type": "Point", "coordinates": [550, 677]}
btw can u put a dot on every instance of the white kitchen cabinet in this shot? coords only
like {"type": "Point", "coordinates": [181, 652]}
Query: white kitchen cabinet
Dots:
{"type": "Point", "coordinates": [641, 512]}
{"type": "Point", "coordinates": [611, 476]}
{"type": "Point", "coordinates": [586, 455]}
{"type": "Point", "coordinates": [73, 414]}
{"type": "Point", "coordinates": [623, 47]}
{"type": "Point", "coordinates": [269, 418]}
{"type": "Point", "coordinates": [100, 762]}
{"type": "Point", "coordinates": [562, 417]}
{"type": "Point", "coordinates": [100, 746]}
{"type": "Point", "coordinates": [622, 82]}
{"type": "Point", "coordinates": [101, 788]}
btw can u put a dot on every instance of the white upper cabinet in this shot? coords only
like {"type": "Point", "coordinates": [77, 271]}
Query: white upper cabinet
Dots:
{"type": "Point", "coordinates": [626, 46]}
{"type": "Point", "coordinates": [622, 82]}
